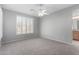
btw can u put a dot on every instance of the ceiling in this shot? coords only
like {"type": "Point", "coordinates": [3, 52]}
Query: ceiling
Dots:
{"type": "Point", "coordinates": [27, 8]}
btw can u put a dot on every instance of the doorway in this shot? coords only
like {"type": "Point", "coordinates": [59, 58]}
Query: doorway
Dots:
{"type": "Point", "coordinates": [75, 27]}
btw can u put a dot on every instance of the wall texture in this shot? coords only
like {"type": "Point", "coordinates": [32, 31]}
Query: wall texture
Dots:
{"type": "Point", "coordinates": [1, 24]}
{"type": "Point", "coordinates": [9, 27]}
{"type": "Point", "coordinates": [57, 26]}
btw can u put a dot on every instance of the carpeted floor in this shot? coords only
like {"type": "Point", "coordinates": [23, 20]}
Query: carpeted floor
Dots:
{"type": "Point", "coordinates": [37, 47]}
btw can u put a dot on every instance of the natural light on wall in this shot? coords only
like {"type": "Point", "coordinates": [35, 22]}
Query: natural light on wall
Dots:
{"type": "Point", "coordinates": [1, 23]}
{"type": "Point", "coordinates": [24, 25]}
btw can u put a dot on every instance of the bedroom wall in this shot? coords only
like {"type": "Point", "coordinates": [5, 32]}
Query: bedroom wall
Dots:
{"type": "Point", "coordinates": [9, 27]}
{"type": "Point", "coordinates": [1, 24]}
{"type": "Point", "coordinates": [58, 26]}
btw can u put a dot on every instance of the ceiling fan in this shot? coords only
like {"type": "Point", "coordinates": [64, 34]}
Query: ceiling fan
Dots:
{"type": "Point", "coordinates": [42, 11]}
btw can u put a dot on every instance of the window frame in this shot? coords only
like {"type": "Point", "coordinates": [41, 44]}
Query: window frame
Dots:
{"type": "Point", "coordinates": [28, 21]}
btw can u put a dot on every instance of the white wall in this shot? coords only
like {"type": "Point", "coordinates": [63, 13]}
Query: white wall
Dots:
{"type": "Point", "coordinates": [57, 26]}
{"type": "Point", "coordinates": [9, 27]}
{"type": "Point", "coordinates": [1, 24]}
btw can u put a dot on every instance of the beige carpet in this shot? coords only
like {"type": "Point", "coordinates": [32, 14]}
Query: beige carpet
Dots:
{"type": "Point", "coordinates": [37, 47]}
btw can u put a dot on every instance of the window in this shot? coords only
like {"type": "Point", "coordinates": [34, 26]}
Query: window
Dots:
{"type": "Point", "coordinates": [24, 25]}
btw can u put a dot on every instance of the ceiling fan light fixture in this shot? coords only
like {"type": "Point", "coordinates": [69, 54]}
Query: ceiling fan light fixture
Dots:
{"type": "Point", "coordinates": [42, 13]}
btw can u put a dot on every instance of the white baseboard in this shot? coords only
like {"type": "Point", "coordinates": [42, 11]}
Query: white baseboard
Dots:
{"type": "Point", "coordinates": [58, 40]}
